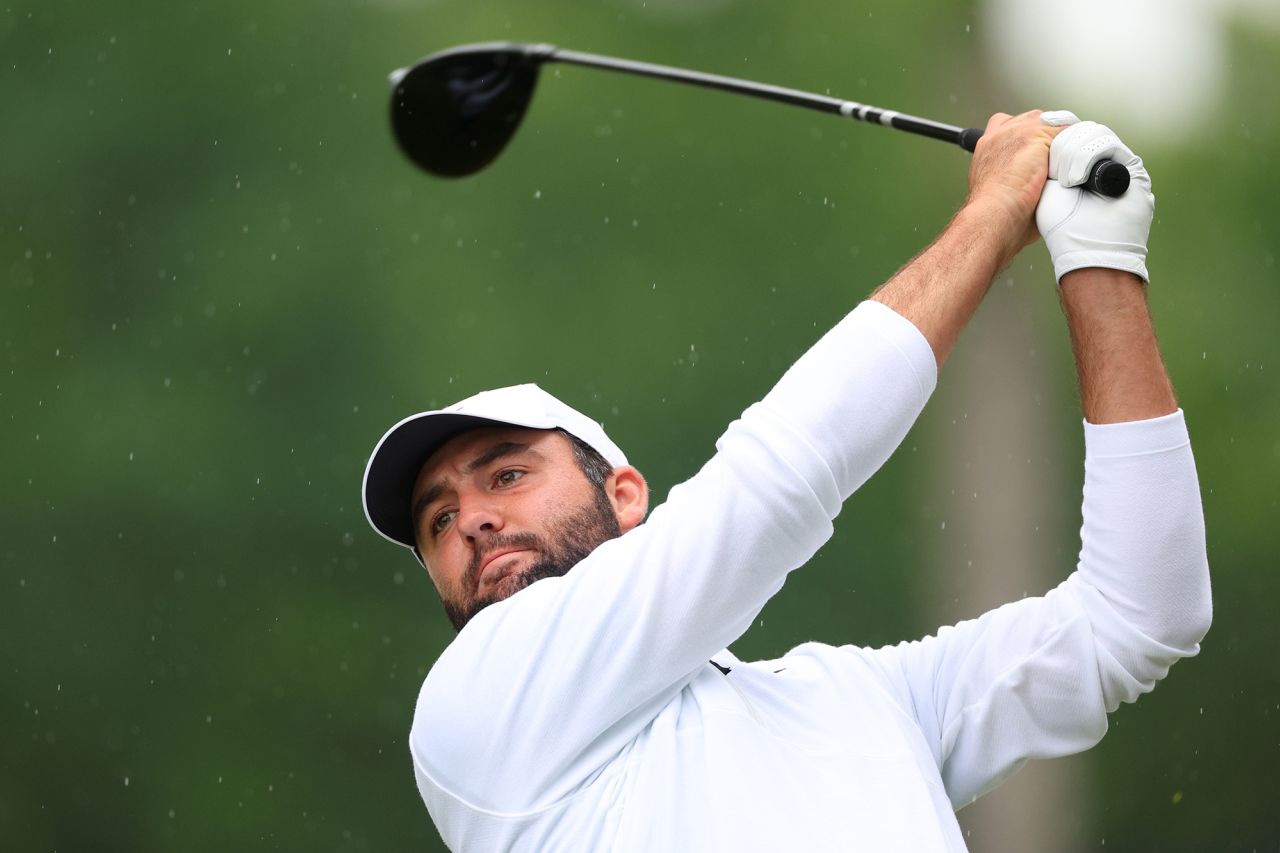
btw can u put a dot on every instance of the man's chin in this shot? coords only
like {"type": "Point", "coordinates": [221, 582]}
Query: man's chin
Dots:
{"type": "Point", "coordinates": [507, 586]}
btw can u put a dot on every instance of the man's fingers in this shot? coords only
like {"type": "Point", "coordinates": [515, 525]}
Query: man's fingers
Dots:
{"type": "Point", "coordinates": [1004, 126]}
{"type": "Point", "coordinates": [995, 121]}
{"type": "Point", "coordinates": [1086, 230]}
{"type": "Point", "coordinates": [1007, 123]}
{"type": "Point", "coordinates": [1059, 118]}
{"type": "Point", "coordinates": [1078, 147]}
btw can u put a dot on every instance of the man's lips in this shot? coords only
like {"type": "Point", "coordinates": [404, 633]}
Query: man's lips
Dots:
{"type": "Point", "coordinates": [490, 565]}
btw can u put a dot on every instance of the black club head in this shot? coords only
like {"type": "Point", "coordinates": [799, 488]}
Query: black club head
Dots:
{"type": "Point", "coordinates": [456, 110]}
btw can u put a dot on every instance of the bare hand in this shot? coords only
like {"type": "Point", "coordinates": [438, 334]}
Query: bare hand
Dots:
{"type": "Point", "coordinates": [1008, 172]}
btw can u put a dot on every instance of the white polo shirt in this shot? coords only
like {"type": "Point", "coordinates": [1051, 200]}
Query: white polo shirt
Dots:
{"type": "Point", "coordinates": [602, 711]}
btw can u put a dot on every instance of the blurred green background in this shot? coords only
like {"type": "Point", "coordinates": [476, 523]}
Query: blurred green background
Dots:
{"type": "Point", "coordinates": [222, 282]}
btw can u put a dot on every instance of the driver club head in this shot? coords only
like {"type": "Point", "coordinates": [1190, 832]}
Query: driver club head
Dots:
{"type": "Point", "coordinates": [454, 111]}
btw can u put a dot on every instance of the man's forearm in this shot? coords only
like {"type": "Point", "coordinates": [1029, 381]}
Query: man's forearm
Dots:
{"type": "Point", "coordinates": [943, 285]}
{"type": "Point", "coordinates": [939, 290]}
{"type": "Point", "coordinates": [1122, 376]}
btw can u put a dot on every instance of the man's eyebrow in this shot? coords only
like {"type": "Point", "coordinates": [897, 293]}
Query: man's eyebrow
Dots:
{"type": "Point", "coordinates": [501, 450]}
{"type": "Point", "coordinates": [428, 498]}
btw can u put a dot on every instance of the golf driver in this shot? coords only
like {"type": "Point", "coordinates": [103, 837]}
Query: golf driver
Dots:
{"type": "Point", "coordinates": [455, 111]}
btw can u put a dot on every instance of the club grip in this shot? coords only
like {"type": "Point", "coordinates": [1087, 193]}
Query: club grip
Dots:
{"type": "Point", "coordinates": [1107, 177]}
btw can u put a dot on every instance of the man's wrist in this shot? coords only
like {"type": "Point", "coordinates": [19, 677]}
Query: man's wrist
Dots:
{"type": "Point", "coordinates": [1101, 289]}
{"type": "Point", "coordinates": [995, 226]}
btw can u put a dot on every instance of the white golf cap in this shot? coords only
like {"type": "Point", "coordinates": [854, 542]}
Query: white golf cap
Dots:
{"type": "Point", "coordinates": [400, 454]}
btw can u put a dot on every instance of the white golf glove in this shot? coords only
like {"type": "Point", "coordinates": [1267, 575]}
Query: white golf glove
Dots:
{"type": "Point", "coordinates": [1081, 228]}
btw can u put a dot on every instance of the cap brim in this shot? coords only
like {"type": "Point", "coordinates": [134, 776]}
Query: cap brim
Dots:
{"type": "Point", "coordinates": [393, 468]}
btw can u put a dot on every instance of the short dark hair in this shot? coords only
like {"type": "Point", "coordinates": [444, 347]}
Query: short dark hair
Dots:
{"type": "Point", "coordinates": [594, 466]}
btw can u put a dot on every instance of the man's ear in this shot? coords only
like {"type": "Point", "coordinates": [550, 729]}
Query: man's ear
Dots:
{"type": "Point", "coordinates": [629, 494]}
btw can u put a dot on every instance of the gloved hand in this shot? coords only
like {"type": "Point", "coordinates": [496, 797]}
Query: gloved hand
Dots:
{"type": "Point", "coordinates": [1083, 229]}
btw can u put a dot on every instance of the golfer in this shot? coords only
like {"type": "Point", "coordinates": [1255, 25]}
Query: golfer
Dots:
{"type": "Point", "coordinates": [589, 702]}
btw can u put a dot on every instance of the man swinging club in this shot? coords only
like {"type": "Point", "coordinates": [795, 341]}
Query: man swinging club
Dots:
{"type": "Point", "coordinates": [589, 701]}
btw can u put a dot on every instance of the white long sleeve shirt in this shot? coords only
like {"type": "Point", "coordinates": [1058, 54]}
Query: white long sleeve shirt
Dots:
{"type": "Point", "coordinates": [583, 713]}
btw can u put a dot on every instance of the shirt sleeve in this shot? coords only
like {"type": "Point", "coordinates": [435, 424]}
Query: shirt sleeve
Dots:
{"type": "Point", "coordinates": [540, 691]}
{"type": "Point", "coordinates": [1036, 678]}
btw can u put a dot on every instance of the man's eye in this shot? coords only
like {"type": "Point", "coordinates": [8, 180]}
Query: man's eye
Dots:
{"type": "Point", "coordinates": [508, 477]}
{"type": "Point", "coordinates": [441, 521]}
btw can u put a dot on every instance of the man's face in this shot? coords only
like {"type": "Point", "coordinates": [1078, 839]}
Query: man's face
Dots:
{"type": "Point", "coordinates": [498, 508]}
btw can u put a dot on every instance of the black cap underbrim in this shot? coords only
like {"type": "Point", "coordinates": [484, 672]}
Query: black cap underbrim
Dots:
{"type": "Point", "coordinates": [395, 464]}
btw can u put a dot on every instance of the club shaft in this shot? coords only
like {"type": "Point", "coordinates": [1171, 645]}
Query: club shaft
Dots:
{"type": "Point", "coordinates": [822, 103]}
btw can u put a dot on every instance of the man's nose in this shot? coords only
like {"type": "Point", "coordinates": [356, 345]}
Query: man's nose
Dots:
{"type": "Point", "coordinates": [479, 517]}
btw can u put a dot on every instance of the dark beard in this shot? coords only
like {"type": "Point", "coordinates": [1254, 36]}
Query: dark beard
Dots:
{"type": "Point", "coordinates": [569, 540]}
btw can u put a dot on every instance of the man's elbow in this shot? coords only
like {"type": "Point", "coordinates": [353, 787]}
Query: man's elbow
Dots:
{"type": "Point", "coordinates": [1181, 539]}
{"type": "Point", "coordinates": [1178, 587]}
{"type": "Point", "coordinates": [1191, 612]}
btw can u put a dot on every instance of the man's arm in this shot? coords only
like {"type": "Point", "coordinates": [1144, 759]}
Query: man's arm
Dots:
{"type": "Point", "coordinates": [1122, 376]}
{"type": "Point", "coordinates": [941, 288]}
{"type": "Point", "coordinates": [1036, 678]}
